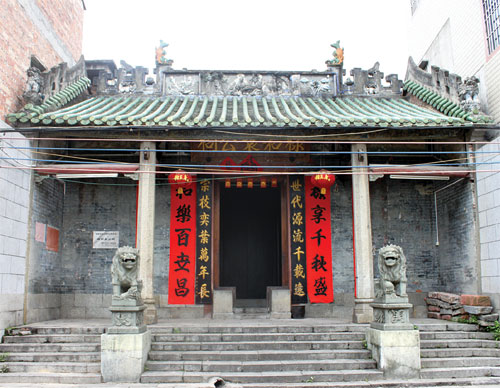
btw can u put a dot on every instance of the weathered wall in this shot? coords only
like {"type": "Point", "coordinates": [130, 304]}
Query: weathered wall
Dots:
{"type": "Point", "coordinates": [14, 209]}
{"type": "Point", "coordinates": [459, 265]}
{"type": "Point", "coordinates": [44, 267]}
{"type": "Point", "coordinates": [85, 274]}
{"type": "Point", "coordinates": [402, 213]}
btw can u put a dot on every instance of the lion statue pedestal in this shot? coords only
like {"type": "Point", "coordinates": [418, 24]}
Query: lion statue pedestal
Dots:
{"type": "Point", "coordinates": [393, 340]}
{"type": "Point", "coordinates": [125, 346]}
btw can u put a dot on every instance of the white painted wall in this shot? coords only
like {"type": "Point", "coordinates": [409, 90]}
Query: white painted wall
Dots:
{"type": "Point", "coordinates": [14, 209]}
{"type": "Point", "coordinates": [450, 34]}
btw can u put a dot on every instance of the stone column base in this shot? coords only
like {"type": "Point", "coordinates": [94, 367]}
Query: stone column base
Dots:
{"type": "Point", "coordinates": [223, 304]}
{"type": "Point", "coordinates": [123, 356]}
{"type": "Point", "coordinates": [397, 352]}
{"type": "Point", "coordinates": [362, 313]}
{"type": "Point", "coordinates": [279, 303]}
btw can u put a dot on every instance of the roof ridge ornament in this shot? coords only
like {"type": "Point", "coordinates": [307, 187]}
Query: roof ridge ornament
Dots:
{"type": "Point", "coordinates": [160, 55]}
{"type": "Point", "coordinates": [338, 55]}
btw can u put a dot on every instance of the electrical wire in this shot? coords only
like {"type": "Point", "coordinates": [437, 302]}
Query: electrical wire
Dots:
{"type": "Point", "coordinates": [293, 152]}
{"type": "Point", "coordinates": [181, 140]}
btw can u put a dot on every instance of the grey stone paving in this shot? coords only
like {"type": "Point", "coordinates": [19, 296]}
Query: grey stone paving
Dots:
{"type": "Point", "coordinates": [378, 384]}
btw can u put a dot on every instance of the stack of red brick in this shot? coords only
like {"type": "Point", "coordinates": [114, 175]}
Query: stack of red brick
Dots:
{"type": "Point", "coordinates": [479, 306]}
{"type": "Point", "coordinates": [443, 305]}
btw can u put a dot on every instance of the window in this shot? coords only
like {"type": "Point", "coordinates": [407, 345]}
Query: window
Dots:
{"type": "Point", "coordinates": [492, 20]}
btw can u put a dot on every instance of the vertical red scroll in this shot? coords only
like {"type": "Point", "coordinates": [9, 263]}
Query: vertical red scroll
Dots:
{"type": "Point", "coordinates": [297, 241]}
{"type": "Point", "coordinates": [181, 279]}
{"type": "Point", "coordinates": [318, 244]}
{"type": "Point", "coordinates": [204, 241]}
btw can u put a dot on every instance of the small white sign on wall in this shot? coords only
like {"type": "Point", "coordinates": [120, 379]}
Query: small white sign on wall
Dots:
{"type": "Point", "coordinates": [105, 239]}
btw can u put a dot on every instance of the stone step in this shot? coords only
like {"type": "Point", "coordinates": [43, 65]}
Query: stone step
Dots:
{"type": "Point", "coordinates": [250, 310]}
{"type": "Point", "coordinates": [459, 352]}
{"type": "Point", "coordinates": [276, 327]}
{"type": "Point", "coordinates": [457, 362]}
{"type": "Point", "coordinates": [248, 337]}
{"type": "Point", "coordinates": [53, 357]}
{"type": "Point", "coordinates": [487, 382]}
{"type": "Point", "coordinates": [262, 345]}
{"type": "Point", "coordinates": [68, 330]}
{"type": "Point", "coordinates": [220, 367]}
{"type": "Point", "coordinates": [53, 338]}
{"type": "Point", "coordinates": [254, 316]}
{"type": "Point", "coordinates": [455, 335]}
{"type": "Point", "coordinates": [45, 348]}
{"type": "Point", "coordinates": [50, 378]}
{"type": "Point", "coordinates": [263, 377]}
{"type": "Point", "coordinates": [463, 343]}
{"type": "Point", "coordinates": [53, 367]}
{"type": "Point", "coordinates": [445, 326]}
{"type": "Point", "coordinates": [261, 355]}
{"type": "Point", "coordinates": [457, 372]}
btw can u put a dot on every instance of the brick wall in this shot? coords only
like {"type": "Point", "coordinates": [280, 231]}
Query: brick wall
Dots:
{"type": "Point", "coordinates": [21, 37]}
{"type": "Point", "coordinates": [459, 264]}
{"type": "Point", "coordinates": [66, 18]}
{"type": "Point", "coordinates": [402, 213]}
{"type": "Point", "coordinates": [44, 282]}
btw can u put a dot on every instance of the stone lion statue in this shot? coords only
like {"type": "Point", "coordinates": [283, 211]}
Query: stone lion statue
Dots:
{"type": "Point", "coordinates": [392, 270]}
{"type": "Point", "coordinates": [124, 272]}
{"type": "Point", "coordinates": [34, 85]}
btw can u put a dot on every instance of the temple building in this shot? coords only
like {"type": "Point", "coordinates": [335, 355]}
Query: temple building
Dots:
{"type": "Point", "coordinates": [247, 189]}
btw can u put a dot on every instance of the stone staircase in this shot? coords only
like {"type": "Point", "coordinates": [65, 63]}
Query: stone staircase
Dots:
{"type": "Point", "coordinates": [289, 355]}
{"type": "Point", "coordinates": [254, 353]}
{"type": "Point", "coordinates": [458, 351]}
{"type": "Point", "coordinates": [53, 355]}
{"type": "Point", "coordinates": [264, 353]}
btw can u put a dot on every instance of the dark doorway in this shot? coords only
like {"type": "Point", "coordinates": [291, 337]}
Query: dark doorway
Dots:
{"type": "Point", "coordinates": [250, 240]}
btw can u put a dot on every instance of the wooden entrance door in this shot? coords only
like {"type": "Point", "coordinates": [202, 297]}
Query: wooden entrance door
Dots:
{"type": "Point", "coordinates": [250, 240]}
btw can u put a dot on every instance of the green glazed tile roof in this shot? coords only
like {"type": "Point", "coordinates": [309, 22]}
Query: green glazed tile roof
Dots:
{"type": "Point", "coordinates": [57, 101]}
{"type": "Point", "coordinates": [210, 111]}
{"type": "Point", "coordinates": [442, 104]}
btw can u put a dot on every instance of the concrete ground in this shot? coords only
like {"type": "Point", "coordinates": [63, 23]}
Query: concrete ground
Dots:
{"type": "Point", "coordinates": [375, 384]}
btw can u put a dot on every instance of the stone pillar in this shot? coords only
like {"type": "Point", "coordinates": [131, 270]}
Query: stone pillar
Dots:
{"type": "Point", "coordinates": [362, 236]}
{"type": "Point", "coordinates": [126, 344]}
{"type": "Point", "coordinates": [392, 339]}
{"type": "Point", "coordinates": [146, 227]}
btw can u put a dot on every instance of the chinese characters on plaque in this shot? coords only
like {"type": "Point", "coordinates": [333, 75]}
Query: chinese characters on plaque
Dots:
{"type": "Point", "coordinates": [183, 236]}
{"type": "Point", "coordinates": [204, 242]}
{"type": "Point", "coordinates": [298, 240]}
{"type": "Point", "coordinates": [318, 244]}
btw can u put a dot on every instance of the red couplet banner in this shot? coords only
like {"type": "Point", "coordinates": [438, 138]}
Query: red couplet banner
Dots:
{"type": "Point", "coordinates": [181, 278]}
{"type": "Point", "coordinates": [318, 244]}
